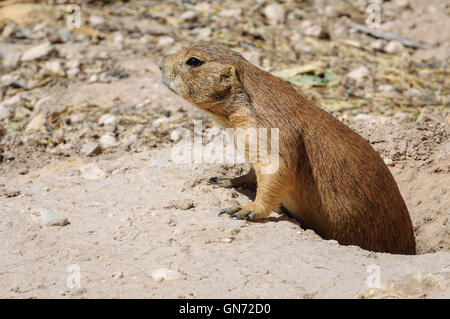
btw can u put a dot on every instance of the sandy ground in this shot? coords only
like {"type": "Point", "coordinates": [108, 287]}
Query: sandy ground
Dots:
{"type": "Point", "coordinates": [136, 224]}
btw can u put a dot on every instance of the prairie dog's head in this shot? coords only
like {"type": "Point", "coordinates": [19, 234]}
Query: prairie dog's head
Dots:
{"type": "Point", "coordinates": [204, 74]}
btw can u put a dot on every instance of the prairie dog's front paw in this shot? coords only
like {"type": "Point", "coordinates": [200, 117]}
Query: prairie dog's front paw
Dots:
{"type": "Point", "coordinates": [250, 212]}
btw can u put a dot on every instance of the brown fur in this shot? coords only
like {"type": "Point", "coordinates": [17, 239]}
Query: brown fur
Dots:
{"type": "Point", "coordinates": [329, 177]}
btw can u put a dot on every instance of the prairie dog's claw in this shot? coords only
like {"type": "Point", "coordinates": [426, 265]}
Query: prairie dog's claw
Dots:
{"type": "Point", "coordinates": [223, 211]}
{"type": "Point", "coordinates": [229, 210]}
{"type": "Point", "coordinates": [249, 212]}
{"type": "Point", "coordinates": [223, 181]}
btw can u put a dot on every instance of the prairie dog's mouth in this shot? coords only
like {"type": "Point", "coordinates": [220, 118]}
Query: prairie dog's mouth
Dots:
{"type": "Point", "coordinates": [167, 83]}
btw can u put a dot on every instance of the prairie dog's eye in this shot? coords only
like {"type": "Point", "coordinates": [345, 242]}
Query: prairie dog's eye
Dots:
{"type": "Point", "coordinates": [193, 61]}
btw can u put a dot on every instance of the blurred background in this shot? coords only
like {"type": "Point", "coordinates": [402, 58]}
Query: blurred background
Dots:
{"type": "Point", "coordinates": [74, 73]}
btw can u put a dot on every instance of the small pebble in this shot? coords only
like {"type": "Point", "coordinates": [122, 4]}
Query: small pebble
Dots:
{"type": "Point", "coordinates": [165, 41]}
{"type": "Point", "coordinates": [48, 217]}
{"type": "Point", "coordinates": [107, 141]}
{"type": "Point", "coordinates": [92, 171]}
{"type": "Point", "coordinates": [372, 255]}
{"type": "Point", "coordinates": [37, 52]}
{"type": "Point", "coordinates": [109, 122]}
{"type": "Point", "coordinates": [188, 15]}
{"type": "Point", "coordinates": [91, 149]}
{"type": "Point", "coordinates": [96, 20]}
{"type": "Point", "coordinates": [388, 162]}
{"type": "Point", "coordinates": [275, 13]}
{"type": "Point", "coordinates": [165, 274]}
{"type": "Point", "coordinates": [393, 47]}
{"type": "Point", "coordinates": [362, 117]}
{"type": "Point", "coordinates": [359, 73]}
{"type": "Point", "coordinates": [118, 275]}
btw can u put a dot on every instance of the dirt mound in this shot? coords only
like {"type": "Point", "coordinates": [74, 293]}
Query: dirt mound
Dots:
{"type": "Point", "coordinates": [418, 155]}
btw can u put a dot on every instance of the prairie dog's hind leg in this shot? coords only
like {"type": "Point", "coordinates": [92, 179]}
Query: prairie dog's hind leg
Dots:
{"type": "Point", "coordinates": [248, 180]}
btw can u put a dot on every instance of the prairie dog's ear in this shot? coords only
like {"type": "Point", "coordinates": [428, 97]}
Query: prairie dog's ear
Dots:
{"type": "Point", "coordinates": [228, 76]}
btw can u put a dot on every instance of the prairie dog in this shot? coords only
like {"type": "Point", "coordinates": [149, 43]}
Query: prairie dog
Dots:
{"type": "Point", "coordinates": [329, 177]}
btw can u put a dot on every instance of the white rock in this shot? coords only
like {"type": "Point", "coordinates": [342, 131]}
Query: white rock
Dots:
{"type": "Point", "coordinates": [305, 23]}
{"type": "Point", "coordinates": [129, 139]}
{"type": "Point", "coordinates": [118, 274]}
{"type": "Point", "coordinates": [37, 124]}
{"type": "Point", "coordinates": [93, 78]}
{"type": "Point", "coordinates": [48, 217]}
{"type": "Point", "coordinates": [203, 7]}
{"type": "Point", "coordinates": [402, 4]}
{"type": "Point", "coordinates": [21, 113]}
{"type": "Point", "coordinates": [314, 31]}
{"type": "Point", "coordinates": [388, 162]}
{"type": "Point", "coordinates": [165, 40]}
{"type": "Point", "coordinates": [77, 118]}
{"type": "Point", "coordinates": [8, 30]}
{"type": "Point", "coordinates": [53, 67]}
{"type": "Point", "coordinates": [37, 52]}
{"type": "Point", "coordinates": [393, 47]}
{"type": "Point", "coordinates": [362, 117]}
{"type": "Point", "coordinates": [204, 33]}
{"type": "Point", "coordinates": [7, 106]}
{"type": "Point", "coordinates": [188, 15]}
{"type": "Point", "coordinates": [96, 20]}
{"type": "Point", "coordinates": [230, 13]}
{"type": "Point", "coordinates": [386, 88]}
{"type": "Point", "coordinates": [359, 73]}
{"type": "Point", "coordinates": [5, 112]}
{"type": "Point", "coordinates": [45, 105]}
{"type": "Point", "coordinates": [11, 102]}
{"type": "Point", "coordinates": [11, 60]}
{"type": "Point", "coordinates": [103, 55]}
{"type": "Point", "coordinates": [377, 44]}
{"type": "Point", "coordinates": [65, 147]}
{"type": "Point", "coordinates": [92, 171]}
{"type": "Point", "coordinates": [109, 121]}
{"type": "Point", "coordinates": [330, 11]}
{"type": "Point", "coordinates": [165, 274]}
{"type": "Point", "coordinates": [275, 13]}
{"type": "Point", "coordinates": [64, 35]}
{"type": "Point", "coordinates": [107, 141]}
{"type": "Point", "coordinates": [159, 122]}
{"type": "Point", "coordinates": [72, 64]}
{"type": "Point", "coordinates": [91, 149]}
{"type": "Point", "coordinates": [118, 38]}
{"type": "Point", "coordinates": [72, 73]}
